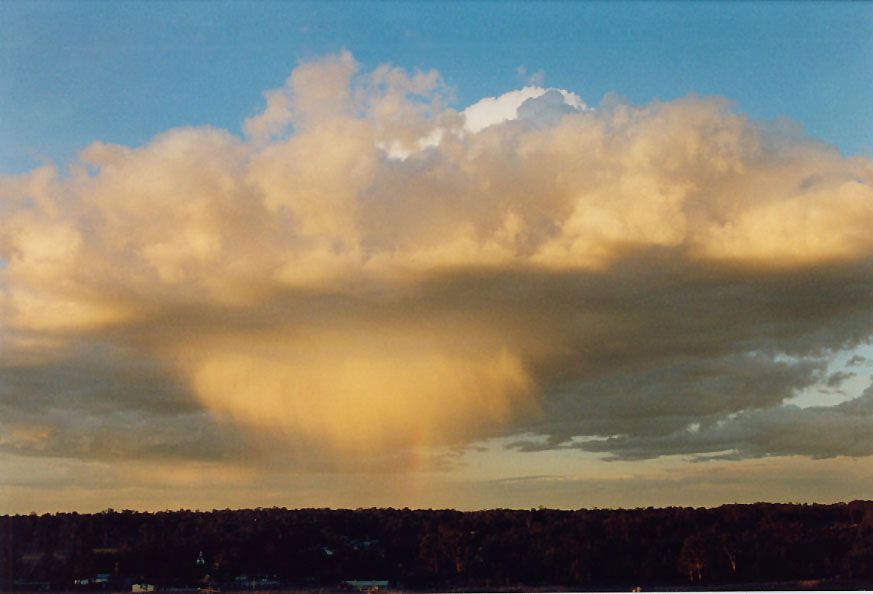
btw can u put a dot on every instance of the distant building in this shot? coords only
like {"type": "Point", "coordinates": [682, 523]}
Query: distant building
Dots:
{"type": "Point", "coordinates": [99, 579]}
{"type": "Point", "coordinates": [142, 588]}
{"type": "Point", "coordinates": [364, 585]}
{"type": "Point", "coordinates": [244, 582]}
{"type": "Point", "coordinates": [269, 581]}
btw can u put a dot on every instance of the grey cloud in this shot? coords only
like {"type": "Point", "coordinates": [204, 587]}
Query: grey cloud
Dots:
{"type": "Point", "coordinates": [644, 352]}
{"type": "Point", "coordinates": [845, 429]}
{"type": "Point", "coordinates": [546, 110]}
{"type": "Point", "coordinates": [95, 377]}
{"type": "Point", "coordinates": [103, 401]}
{"type": "Point", "coordinates": [835, 379]}
{"type": "Point", "coordinates": [75, 433]}
{"type": "Point", "coordinates": [671, 396]}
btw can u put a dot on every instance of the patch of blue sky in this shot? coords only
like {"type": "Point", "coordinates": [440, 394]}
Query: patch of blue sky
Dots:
{"type": "Point", "coordinates": [849, 373]}
{"type": "Point", "coordinates": [74, 72]}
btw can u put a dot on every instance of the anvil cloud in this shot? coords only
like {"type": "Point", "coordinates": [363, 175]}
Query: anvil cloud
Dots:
{"type": "Point", "coordinates": [368, 273]}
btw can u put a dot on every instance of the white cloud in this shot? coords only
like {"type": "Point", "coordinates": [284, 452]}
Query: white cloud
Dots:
{"type": "Point", "coordinates": [496, 110]}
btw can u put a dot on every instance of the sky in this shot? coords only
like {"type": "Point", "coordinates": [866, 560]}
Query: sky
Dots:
{"type": "Point", "coordinates": [466, 255]}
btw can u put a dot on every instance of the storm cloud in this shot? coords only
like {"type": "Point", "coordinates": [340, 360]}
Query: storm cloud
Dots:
{"type": "Point", "coordinates": [366, 272]}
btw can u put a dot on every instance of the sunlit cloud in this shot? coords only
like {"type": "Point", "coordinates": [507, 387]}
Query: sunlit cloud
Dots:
{"type": "Point", "coordinates": [367, 271]}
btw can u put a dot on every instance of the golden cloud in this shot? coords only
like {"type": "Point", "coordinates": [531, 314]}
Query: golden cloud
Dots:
{"type": "Point", "coordinates": [309, 282]}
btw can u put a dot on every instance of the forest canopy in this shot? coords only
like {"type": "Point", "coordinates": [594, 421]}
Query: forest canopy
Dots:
{"type": "Point", "coordinates": [502, 548]}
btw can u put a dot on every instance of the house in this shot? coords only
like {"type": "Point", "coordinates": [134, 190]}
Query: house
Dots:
{"type": "Point", "coordinates": [142, 588]}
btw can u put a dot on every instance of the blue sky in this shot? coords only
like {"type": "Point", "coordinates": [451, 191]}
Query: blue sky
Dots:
{"type": "Point", "coordinates": [73, 72]}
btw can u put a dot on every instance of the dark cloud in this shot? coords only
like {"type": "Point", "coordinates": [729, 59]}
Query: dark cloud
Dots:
{"type": "Point", "coordinates": [845, 429]}
{"type": "Point", "coordinates": [837, 378]}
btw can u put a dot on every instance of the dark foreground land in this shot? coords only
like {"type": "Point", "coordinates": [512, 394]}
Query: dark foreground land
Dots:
{"type": "Point", "coordinates": [759, 546]}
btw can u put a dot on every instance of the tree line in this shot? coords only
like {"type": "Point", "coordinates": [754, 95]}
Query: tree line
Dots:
{"type": "Point", "coordinates": [444, 549]}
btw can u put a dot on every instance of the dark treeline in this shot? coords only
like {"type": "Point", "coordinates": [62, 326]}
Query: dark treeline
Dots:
{"type": "Point", "coordinates": [585, 549]}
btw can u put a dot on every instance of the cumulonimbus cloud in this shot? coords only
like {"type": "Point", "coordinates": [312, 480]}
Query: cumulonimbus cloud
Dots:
{"type": "Point", "coordinates": [364, 272]}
